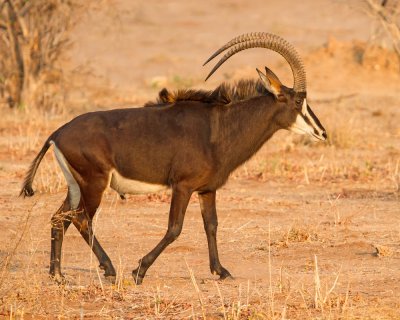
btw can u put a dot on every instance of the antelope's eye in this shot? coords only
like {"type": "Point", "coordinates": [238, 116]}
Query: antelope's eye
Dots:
{"type": "Point", "coordinates": [299, 101]}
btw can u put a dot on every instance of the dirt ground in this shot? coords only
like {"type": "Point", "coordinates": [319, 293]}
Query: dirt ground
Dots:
{"type": "Point", "coordinates": [308, 230]}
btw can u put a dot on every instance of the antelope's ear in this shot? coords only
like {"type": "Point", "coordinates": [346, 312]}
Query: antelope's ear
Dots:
{"type": "Point", "coordinates": [270, 81]}
{"type": "Point", "coordinates": [273, 77]}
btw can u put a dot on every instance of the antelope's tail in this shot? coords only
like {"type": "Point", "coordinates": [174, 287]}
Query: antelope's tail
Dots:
{"type": "Point", "coordinates": [27, 190]}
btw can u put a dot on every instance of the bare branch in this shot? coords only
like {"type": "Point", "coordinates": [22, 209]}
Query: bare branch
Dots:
{"type": "Point", "coordinates": [5, 39]}
{"type": "Point", "coordinates": [386, 15]}
{"type": "Point", "coordinates": [16, 53]}
{"type": "Point", "coordinates": [2, 5]}
{"type": "Point", "coordinates": [18, 18]}
{"type": "Point", "coordinates": [25, 9]}
{"type": "Point", "coordinates": [2, 19]}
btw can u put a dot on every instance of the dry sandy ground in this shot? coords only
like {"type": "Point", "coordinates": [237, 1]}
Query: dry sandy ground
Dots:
{"type": "Point", "coordinates": [307, 230]}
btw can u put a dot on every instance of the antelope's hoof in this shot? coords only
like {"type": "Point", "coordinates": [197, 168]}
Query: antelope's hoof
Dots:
{"type": "Point", "coordinates": [109, 271]}
{"type": "Point", "coordinates": [226, 278]}
{"type": "Point", "coordinates": [224, 274]}
{"type": "Point", "coordinates": [137, 277]}
{"type": "Point", "coordinates": [59, 279]}
{"type": "Point", "coordinates": [111, 278]}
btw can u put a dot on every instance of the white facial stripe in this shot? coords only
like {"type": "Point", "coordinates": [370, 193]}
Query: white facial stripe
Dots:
{"type": "Point", "coordinates": [306, 124]}
{"type": "Point", "coordinates": [301, 126]}
{"type": "Point", "coordinates": [304, 107]}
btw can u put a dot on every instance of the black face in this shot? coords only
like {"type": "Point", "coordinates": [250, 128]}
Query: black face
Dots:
{"type": "Point", "coordinates": [298, 100]}
{"type": "Point", "coordinates": [290, 104]}
{"type": "Point", "coordinates": [297, 116]}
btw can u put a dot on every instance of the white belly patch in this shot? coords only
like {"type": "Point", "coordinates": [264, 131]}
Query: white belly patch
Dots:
{"type": "Point", "coordinates": [127, 186]}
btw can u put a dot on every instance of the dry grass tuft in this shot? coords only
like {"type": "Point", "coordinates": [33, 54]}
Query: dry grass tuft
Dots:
{"type": "Point", "coordinates": [297, 235]}
{"type": "Point", "coordinates": [383, 251]}
{"type": "Point", "coordinates": [301, 234]}
{"type": "Point", "coordinates": [342, 136]}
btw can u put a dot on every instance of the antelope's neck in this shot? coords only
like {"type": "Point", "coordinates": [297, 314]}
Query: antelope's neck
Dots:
{"type": "Point", "coordinates": [243, 128]}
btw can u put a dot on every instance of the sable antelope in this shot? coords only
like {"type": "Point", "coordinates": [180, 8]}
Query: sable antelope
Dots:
{"type": "Point", "coordinates": [189, 141]}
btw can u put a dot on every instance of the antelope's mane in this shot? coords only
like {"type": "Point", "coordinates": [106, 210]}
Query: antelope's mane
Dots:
{"type": "Point", "coordinates": [224, 94]}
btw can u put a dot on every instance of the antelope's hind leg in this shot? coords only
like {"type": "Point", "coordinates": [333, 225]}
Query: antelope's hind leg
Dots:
{"type": "Point", "coordinates": [81, 203]}
{"type": "Point", "coordinates": [92, 193]}
{"type": "Point", "coordinates": [83, 222]}
{"type": "Point", "coordinates": [60, 222]}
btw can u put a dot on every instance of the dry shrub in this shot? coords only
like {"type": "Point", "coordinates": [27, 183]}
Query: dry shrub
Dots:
{"type": "Point", "coordinates": [387, 14]}
{"type": "Point", "coordinates": [368, 55]}
{"type": "Point", "coordinates": [33, 36]}
{"type": "Point", "coordinates": [382, 50]}
{"type": "Point", "coordinates": [377, 57]}
{"type": "Point", "coordinates": [342, 136]}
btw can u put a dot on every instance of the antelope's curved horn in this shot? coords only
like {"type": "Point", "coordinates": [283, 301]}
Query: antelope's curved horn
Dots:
{"type": "Point", "coordinates": [274, 43]}
{"type": "Point", "coordinates": [236, 40]}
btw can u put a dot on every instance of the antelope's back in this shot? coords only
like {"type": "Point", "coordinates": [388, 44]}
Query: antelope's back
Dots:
{"type": "Point", "coordinates": [141, 143]}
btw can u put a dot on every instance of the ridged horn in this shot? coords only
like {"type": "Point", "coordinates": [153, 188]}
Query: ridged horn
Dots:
{"type": "Point", "coordinates": [236, 40]}
{"type": "Point", "coordinates": [268, 41]}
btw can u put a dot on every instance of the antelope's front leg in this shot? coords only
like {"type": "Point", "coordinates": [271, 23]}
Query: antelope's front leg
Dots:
{"type": "Point", "coordinates": [209, 213]}
{"type": "Point", "coordinates": [179, 202]}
